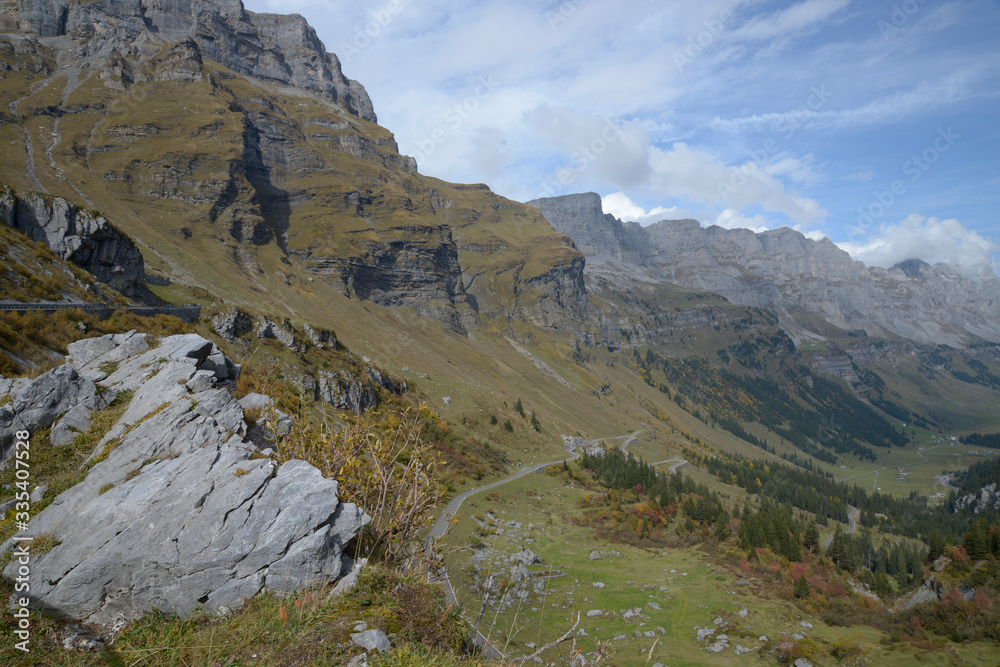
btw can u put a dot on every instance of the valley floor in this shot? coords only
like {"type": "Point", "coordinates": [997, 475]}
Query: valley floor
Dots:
{"type": "Point", "coordinates": [636, 606]}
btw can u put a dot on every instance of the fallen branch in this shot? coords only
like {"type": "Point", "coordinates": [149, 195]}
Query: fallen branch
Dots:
{"type": "Point", "coordinates": [569, 633]}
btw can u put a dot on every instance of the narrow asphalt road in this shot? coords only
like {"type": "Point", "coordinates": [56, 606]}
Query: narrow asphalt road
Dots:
{"type": "Point", "coordinates": [678, 463]}
{"type": "Point", "coordinates": [853, 513]}
{"type": "Point", "coordinates": [629, 440]}
{"type": "Point", "coordinates": [451, 509]}
{"type": "Point", "coordinates": [441, 525]}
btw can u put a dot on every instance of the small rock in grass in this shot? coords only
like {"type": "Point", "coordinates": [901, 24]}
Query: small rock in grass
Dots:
{"type": "Point", "coordinates": [371, 640]}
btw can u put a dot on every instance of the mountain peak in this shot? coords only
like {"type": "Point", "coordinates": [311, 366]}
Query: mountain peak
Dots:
{"type": "Point", "coordinates": [276, 48]}
{"type": "Point", "coordinates": [915, 269]}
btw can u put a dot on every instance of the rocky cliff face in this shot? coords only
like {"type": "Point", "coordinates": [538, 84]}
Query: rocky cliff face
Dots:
{"type": "Point", "coordinates": [236, 139]}
{"type": "Point", "coordinates": [810, 284]}
{"type": "Point", "coordinates": [282, 49]}
{"type": "Point", "coordinates": [80, 237]}
{"type": "Point", "coordinates": [986, 500]}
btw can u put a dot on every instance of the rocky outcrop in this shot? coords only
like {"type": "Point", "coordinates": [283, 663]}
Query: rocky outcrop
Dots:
{"type": "Point", "coordinates": [356, 390]}
{"type": "Point", "coordinates": [40, 403]}
{"type": "Point", "coordinates": [810, 284]}
{"type": "Point", "coordinates": [598, 235]}
{"type": "Point", "coordinates": [234, 324]}
{"type": "Point", "coordinates": [179, 511]}
{"type": "Point", "coordinates": [278, 48]}
{"type": "Point", "coordinates": [986, 500]}
{"type": "Point", "coordinates": [346, 391]}
{"type": "Point", "coordinates": [81, 237]}
{"type": "Point", "coordinates": [558, 295]}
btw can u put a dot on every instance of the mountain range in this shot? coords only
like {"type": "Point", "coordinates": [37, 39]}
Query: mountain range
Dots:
{"type": "Point", "coordinates": [209, 132]}
{"type": "Point", "coordinates": [193, 152]}
{"type": "Point", "coordinates": [814, 286]}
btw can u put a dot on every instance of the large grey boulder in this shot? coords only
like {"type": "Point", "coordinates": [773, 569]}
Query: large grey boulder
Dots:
{"type": "Point", "coordinates": [179, 511]}
{"type": "Point", "coordinates": [208, 529]}
{"type": "Point", "coordinates": [41, 402]}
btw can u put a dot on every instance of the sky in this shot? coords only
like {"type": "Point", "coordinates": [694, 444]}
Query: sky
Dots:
{"type": "Point", "coordinates": [874, 124]}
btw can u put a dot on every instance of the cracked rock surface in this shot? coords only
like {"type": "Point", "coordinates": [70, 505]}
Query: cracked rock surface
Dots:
{"type": "Point", "coordinates": [40, 402]}
{"type": "Point", "coordinates": [178, 515]}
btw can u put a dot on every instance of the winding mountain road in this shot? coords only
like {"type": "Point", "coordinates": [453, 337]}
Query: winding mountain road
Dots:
{"type": "Point", "coordinates": [451, 510]}
{"type": "Point", "coordinates": [677, 463]}
{"type": "Point", "coordinates": [629, 439]}
{"type": "Point", "coordinates": [853, 513]}
{"type": "Point", "coordinates": [452, 507]}
{"type": "Point", "coordinates": [448, 515]}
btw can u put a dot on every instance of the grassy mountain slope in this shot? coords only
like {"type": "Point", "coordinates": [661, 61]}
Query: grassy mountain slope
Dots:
{"type": "Point", "coordinates": [274, 199]}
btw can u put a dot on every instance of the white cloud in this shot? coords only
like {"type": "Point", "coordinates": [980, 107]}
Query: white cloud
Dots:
{"type": "Point", "coordinates": [593, 147]}
{"type": "Point", "coordinates": [930, 239]}
{"type": "Point", "coordinates": [684, 172]}
{"type": "Point", "coordinates": [866, 176]}
{"type": "Point", "coordinates": [803, 17]}
{"type": "Point", "coordinates": [622, 207]}
{"type": "Point", "coordinates": [919, 99]}
{"type": "Point", "coordinates": [801, 170]}
{"type": "Point", "coordinates": [732, 219]}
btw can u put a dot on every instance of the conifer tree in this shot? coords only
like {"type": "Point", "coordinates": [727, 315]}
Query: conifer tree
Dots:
{"type": "Point", "coordinates": [937, 546]}
{"type": "Point", "coordinates": [977, 541]}
{"type": "Point", "coordinates": [721, 529]}
{"type": "Point", "coordinates": [811, 538]}
{"type": "Point", "coordinates": [802, 588]}
{"type": "Point", "coordinates": [836, 549]}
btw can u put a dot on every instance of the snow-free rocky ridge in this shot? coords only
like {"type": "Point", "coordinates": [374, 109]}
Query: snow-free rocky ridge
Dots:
{"type": "Point", "coordinates": [183, 512]}
{"type": "Point", "coordinates": [813, 286]}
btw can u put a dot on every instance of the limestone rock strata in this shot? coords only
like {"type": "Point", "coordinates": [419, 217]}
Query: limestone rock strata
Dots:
{"type": "Point", "coordinates": [279, 48]}
{"type": "Point", "coordinates": [806, 282]}
{"type": "Point", "coordinates": [181, 514]}
{"type": "Point", "coordinates": [80, 237]}
{"type": "Point", "coordinates": [41, 402]}
{"type": "Point", "coordinates": [233, 141]}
